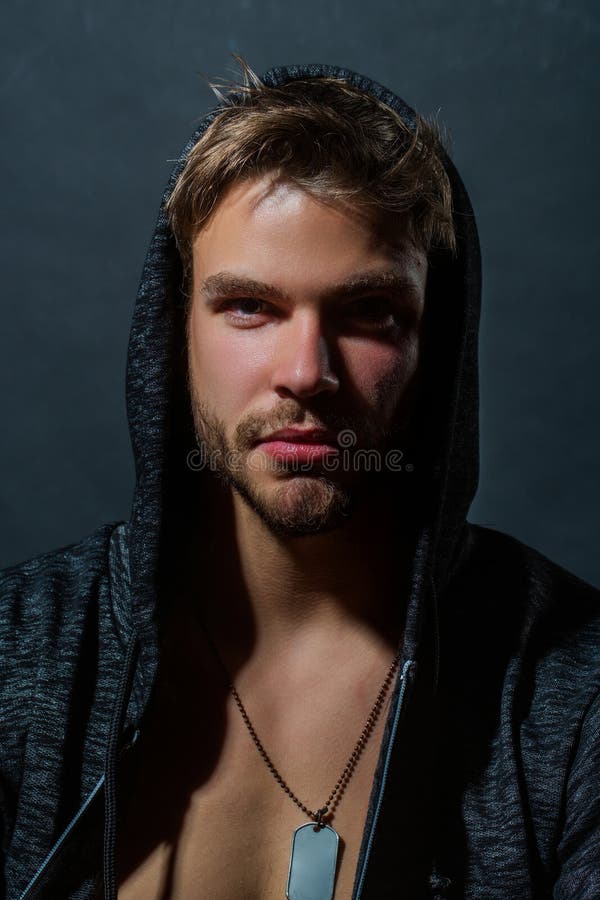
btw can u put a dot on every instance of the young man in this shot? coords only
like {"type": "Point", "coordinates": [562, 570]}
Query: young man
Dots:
{"type": "Point", "coordinates": [297, 670]}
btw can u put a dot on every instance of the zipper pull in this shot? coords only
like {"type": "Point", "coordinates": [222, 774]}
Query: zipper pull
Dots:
{"type": "Point", "coordinates": [129, 739]}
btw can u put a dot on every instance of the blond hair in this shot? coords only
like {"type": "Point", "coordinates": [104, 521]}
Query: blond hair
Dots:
{"type": "Point", "coordinates": [337, 142]}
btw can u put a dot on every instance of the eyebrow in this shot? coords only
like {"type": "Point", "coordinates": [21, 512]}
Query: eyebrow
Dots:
{"type": "Point", "coordinates": [223, 283]}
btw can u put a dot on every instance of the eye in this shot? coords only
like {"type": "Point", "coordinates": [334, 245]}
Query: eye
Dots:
{"type": "Point", "coordinates": [245, 311]}
{"type": "Point", "coordinates": [247, 305]}
{"type": "Point", "coordinates": [375, 312]}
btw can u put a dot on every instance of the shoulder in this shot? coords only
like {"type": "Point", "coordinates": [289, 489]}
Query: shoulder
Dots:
{"type": "Point", "coordinates": [58, 629]}
{"type": "Point", "coordinates": [536, 627]}
{"type": "Point", "coordinates": [45, 602]}
{"type": "Point", "coordinates": [532, 620]}
{"type": "Point", "coordinates": [74, 558]}
{"type": "Point", "coordinates": [553, 612]}
{"type": "Point", "coordinates": [514, 573]}
{"type": "Point", "coordinates": [533, 623]}
{"type": "Point", "coordinates": [34, 589]}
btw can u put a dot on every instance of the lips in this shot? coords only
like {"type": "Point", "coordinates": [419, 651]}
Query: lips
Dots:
{"type": "Point", "coordinates": [304, 447]}
{"type": "Point", "coordinates": [318, 436]}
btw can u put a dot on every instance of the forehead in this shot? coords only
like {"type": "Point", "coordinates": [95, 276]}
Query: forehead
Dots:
{"type": "Point", "coordinates": [272, 229]}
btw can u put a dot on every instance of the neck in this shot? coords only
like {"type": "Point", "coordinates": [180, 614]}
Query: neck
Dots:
{"type": "Point", "coordinates": [264, 589]}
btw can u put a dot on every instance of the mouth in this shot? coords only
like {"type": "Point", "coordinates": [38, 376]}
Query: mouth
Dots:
{"type": "Point", "coordinates": [296, 445]}
{"type": "Point", "coordinates": [312, 436]}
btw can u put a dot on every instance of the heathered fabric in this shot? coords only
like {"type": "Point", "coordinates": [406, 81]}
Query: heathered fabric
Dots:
{"type": "Point", "coordinates": [488, 784]}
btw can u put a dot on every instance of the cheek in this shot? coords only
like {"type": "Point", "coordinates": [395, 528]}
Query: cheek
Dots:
{"type": "Point", "coordinates": [371, 366]}
{"type": "Point", "coordinates": [226, 371]}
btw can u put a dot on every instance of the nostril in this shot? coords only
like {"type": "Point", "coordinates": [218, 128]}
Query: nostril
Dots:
{"type": "Point", "coordinates": [301, 384]}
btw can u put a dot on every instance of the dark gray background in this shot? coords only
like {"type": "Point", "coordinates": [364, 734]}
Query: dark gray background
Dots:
{"type": "Point", "coordinates": [98, 98]}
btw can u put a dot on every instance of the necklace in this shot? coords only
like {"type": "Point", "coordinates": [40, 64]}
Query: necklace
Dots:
{"type": "Point", "coordinates": [313, 856]}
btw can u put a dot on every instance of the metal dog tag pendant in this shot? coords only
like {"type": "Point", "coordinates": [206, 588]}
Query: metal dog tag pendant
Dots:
{"type": "Point", "coordinates": [312, 863]}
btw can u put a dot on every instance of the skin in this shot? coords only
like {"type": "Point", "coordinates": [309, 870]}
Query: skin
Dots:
{"type": "Point", "coordinates": [307, 357]}
{"type": "Point", "coordinates": [300, 573]}
{"type": "Point", "coordinates": [302, 358]}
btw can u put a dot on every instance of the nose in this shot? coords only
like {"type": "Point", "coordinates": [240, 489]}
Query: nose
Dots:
{"type": "Point", "coordinates": [303, 362]}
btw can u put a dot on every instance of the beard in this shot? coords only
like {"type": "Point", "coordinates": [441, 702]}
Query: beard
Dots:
{"type": "Point", "coordinates": [298, 501]}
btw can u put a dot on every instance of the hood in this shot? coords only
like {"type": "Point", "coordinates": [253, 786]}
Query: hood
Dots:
{"type": "Point", "coordinates": [447, 416]}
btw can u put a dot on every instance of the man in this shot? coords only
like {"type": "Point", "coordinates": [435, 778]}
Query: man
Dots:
{"type": "Point", "coordinates": [297, 670]}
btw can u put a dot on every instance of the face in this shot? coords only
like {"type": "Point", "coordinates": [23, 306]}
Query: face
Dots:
{"type": "Point", "coordinates": [304, 318]}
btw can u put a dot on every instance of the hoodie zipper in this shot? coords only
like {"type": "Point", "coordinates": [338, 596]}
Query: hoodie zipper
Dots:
{"type": "Point", "coordinates": [106, 781]}
{"type": "Point", "coordinates": [113, 754]}
{"type": "Point", "coordinates": [403, 679]}
{"type": "Point", "coordinates": [62, 839]}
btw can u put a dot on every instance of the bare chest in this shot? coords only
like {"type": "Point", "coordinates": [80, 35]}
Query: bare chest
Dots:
{"type": "Point", "coordinates": [204, 817]}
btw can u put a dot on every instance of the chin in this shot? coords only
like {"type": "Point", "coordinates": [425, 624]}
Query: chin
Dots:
{"type": "Point", "coordinates": [299, 505]}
